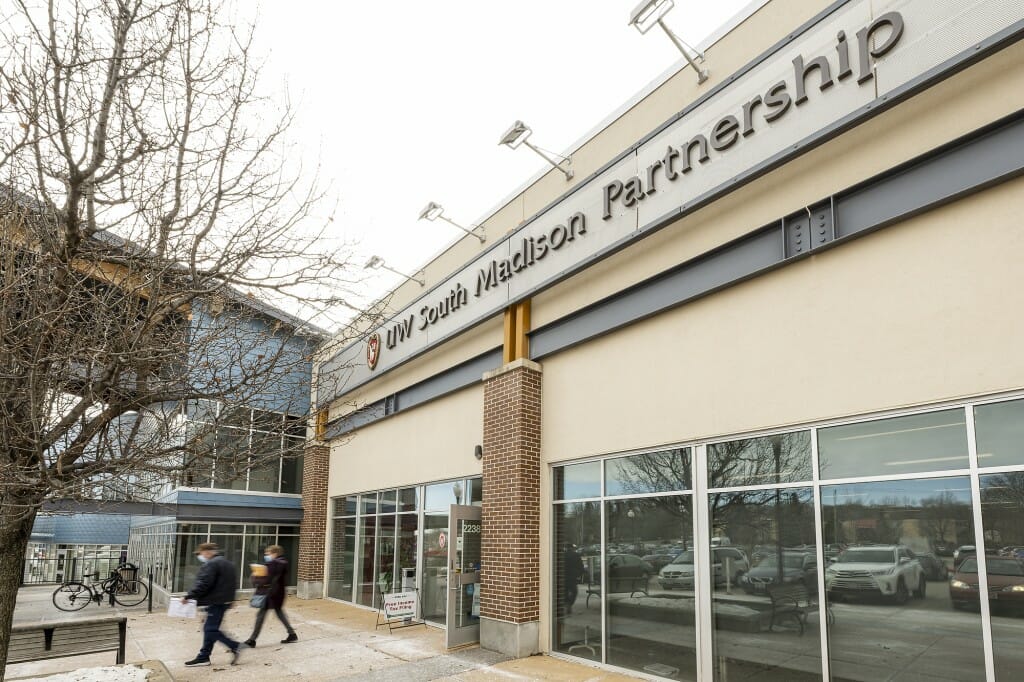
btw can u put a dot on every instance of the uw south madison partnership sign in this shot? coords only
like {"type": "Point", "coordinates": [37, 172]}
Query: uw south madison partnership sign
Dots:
{"type": "Point", "coordinates": [833, 73]}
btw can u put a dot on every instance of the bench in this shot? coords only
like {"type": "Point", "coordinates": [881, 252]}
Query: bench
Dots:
{"type": "Point", "coordinates": [792, 601]}
{"type": "Point", "coordinates": [42, 641]}
{"type": "Point", "coordinates": [631, 585]}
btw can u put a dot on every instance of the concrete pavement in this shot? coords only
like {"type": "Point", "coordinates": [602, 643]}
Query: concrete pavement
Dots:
{"type": "Point", "coordinates": [336, 642]}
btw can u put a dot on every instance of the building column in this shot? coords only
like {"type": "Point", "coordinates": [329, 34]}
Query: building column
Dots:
{"type": "Point", "coordinates": [313, 532]}
{"type": "Point", "coordinates": [510, 565]}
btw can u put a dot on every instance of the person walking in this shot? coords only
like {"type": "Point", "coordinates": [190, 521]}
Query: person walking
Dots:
{"type": "Point", "coordinates": [271, 587]}
{"type": "Point", "coordinates": [214, 588]}
{"type": "Point", "coordinates": [574, 572]}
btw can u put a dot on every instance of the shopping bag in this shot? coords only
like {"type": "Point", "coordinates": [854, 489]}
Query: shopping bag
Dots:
{"type": "Point", "coordinates": [175, 609]}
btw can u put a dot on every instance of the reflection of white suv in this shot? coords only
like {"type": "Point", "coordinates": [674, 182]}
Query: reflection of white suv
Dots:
{"type": "Point", "coordinates": [887, 570]}
{"type": "Point", "coordinates": [729, 561]}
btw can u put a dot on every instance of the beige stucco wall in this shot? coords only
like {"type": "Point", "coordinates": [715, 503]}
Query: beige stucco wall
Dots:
{"type": "Point", "coordinates": [925, 311]}
{"type": "Point", "coordinates": [432, 442]}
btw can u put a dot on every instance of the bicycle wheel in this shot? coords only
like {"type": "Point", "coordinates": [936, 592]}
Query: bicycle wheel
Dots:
{"type": "Point", "coordinates": [130, 592]}
{"type": "Point", "coordinates": [72, 596]}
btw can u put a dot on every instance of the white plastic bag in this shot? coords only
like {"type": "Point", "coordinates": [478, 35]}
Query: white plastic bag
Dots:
{"type": "Point", "coordinates": [175, 609]}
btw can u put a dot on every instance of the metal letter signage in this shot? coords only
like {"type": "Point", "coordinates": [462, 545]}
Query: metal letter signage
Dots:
{"type": "Point", "coordinates": [830, 76]}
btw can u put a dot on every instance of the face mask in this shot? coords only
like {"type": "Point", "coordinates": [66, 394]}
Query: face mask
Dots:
{"type": "Point", "coordinates": [267, 558]}
{"type": "Point", "coordinates": [201, 558]}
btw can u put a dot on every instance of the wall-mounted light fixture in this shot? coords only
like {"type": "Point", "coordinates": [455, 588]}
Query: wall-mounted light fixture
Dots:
{"type": "Point", "coordinates": [376, 263]}
{"type": "Point", "coordinates": [649, 14]}
{"type": "Point", "coordinates": [433, 211]}
{"type": "Point", "coordinates": [478, 452]}
{"type": "Point", "coordinates": [519, 134]}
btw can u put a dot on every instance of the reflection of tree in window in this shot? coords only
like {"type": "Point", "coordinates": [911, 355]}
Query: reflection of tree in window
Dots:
{"type": "Point", "coordinates": [781, 458]}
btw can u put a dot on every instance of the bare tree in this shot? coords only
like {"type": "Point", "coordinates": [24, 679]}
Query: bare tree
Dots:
{"type": "Point", "coordinates": [149, 210]}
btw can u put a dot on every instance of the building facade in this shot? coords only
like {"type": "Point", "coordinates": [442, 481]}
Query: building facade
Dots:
{"type": "Point", "coordinates": [743, 398]}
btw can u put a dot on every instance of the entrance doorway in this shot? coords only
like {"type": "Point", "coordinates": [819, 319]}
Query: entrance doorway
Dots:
{"type": "Point", "coordinates": [464, 533]}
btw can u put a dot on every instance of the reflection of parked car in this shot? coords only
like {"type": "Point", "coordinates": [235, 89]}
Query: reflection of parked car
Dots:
{"type": "Point", "coordinates": [726, 562]}
{"type": "Point", "coordinates": [659, 561]}
{"type": "Point", "coordinates": [797, 567]}
{"type": "Point", "coordinates": [934, 568]}
{"type": "Point", "coordinates": [887, 570]}
{"type": "Point", "coordinates": [1005, 582]}
{"type": "Point", "coordinates": [943, 549]}
{"type": "Point", "coordinates": [962, 552]}
{"type": "Point", "coordinates": [678, 574]}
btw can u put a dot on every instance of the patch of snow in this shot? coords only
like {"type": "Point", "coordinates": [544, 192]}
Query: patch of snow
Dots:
{"type": "Point", "coordinates": [128, 673]}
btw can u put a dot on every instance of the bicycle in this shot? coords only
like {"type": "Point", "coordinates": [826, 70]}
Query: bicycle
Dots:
{"type": "Point", "coordinates": [74, 595]}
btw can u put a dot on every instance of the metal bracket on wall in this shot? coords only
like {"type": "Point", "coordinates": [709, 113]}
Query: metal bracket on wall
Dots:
{"type": "Point", "coordinates": [808, 229]}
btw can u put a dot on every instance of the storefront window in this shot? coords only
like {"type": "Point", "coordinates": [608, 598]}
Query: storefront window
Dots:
{"type": "Point", "coordinates": [893, 588]}
{"type": "Point", "coordinates": [364, 561]}
{"type": "Point", "coordinates": [933, 441]}
{"type": "Point", "coordinates": [578, 627]}
{"type": "Point", "coordinates": [408, 544]}
{"type": "Point", "coordinates": [1002, 507]}
{"type": "Point", "coordinates": [408, 499]}
{"type": "Point", "coordinates": [342, 561]}
{"type": "Point", "coordinates": [440, 496]}
{"type": "Point", "coordinates": [654, 472]}
{"type": "Point", "coordinates": [763, 560]}
{"type": "Point", "coordinates": [651, 614]}
{"type": "Point", "coordinates": [1000, 433]}
{"type": "Point", "coordinates": [780, 458]}
{"type": "Point", "coordinates": [612, 600]}
{"type": "Point", "coordinates": [578, 481]}
{"type": "Point", "coordinates": [879, 553]}
{"type": "Point", "coordinates": [435, 567]}
{"type": "Point", "coordinates": [387, 502]}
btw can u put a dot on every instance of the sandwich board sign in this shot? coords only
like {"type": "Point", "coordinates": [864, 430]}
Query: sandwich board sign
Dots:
{"type": "Point", "coordinates": [400, 609]}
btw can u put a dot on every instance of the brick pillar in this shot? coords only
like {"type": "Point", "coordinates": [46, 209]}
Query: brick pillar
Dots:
{"type": "Point", "coordinates": [313, 532]}
{"type": "Point", "coordinates": [510, 565]}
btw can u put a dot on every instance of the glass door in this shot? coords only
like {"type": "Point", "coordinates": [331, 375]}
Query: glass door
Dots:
{"type": "Point", "coordinates": [464, 532]}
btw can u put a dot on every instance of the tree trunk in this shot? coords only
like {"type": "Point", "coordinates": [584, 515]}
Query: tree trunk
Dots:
{"type": "Point", "coordinates": [13, 543]}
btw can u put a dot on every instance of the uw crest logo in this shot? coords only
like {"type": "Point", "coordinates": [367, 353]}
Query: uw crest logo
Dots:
{"type": "Point", "coordinates": [373, 350]}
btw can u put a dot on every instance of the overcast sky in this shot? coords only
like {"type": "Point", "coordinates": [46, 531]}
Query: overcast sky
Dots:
{"type": "Point", "coordinates": [404, 101]}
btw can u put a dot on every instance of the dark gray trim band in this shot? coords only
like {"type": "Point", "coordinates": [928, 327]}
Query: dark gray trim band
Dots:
{"type": "Point", "coordinates": [451, 380]}
{"type": "Point", "coordinates": [212, 513]}
{"type": "Point", "coordinates": [984, 158]}
{"type": "Point", "coordinates": [926, 80]}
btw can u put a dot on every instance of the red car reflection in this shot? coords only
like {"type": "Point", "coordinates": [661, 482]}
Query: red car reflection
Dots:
{"type": "Point", "coordinates": [1005, 582]}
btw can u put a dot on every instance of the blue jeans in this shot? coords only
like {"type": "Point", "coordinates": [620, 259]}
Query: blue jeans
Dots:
{"type": "Point", "coordinates": [211, 630]}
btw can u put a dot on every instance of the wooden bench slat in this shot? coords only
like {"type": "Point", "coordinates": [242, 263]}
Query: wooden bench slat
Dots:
{"type": "Point", "coordinates": [69, 638]}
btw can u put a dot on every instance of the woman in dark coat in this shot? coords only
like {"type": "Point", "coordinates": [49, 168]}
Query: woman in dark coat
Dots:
{"type": "Point", "coordinates": [272, 587]}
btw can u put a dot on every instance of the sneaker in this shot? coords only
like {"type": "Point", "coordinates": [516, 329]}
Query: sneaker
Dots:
{"type": "Point", "coordinates": [251, 643]}
{"type": "Point", "coordinates": [197, 661]}
{"type": "Point", "coordinates": [236, 653]}
{"type": "Point", "coordinates": [290, 638]}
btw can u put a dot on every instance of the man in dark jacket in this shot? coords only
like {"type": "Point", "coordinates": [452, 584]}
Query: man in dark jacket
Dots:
{"type": "Point", "coordinates": [214, 588]}
{"type": "Point", "coordinates": [271, 587]}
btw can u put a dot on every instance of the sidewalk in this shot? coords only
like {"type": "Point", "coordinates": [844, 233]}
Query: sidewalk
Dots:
{"type": "Point", "coordinates": [336, 642]}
